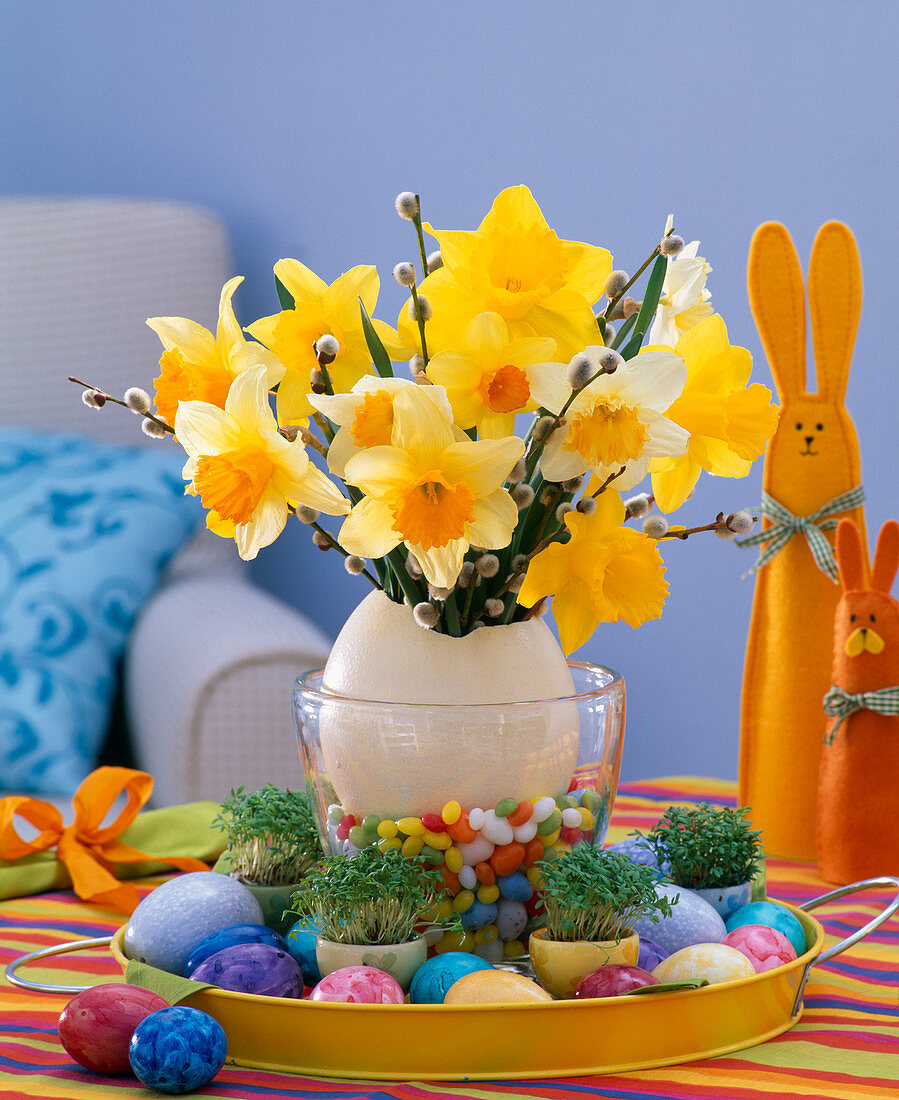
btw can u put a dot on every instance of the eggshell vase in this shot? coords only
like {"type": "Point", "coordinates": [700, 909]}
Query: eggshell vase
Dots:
{"type": "Point", "coordinates": [560, 966]}
{"type": "Point", "coordinates": [399, 960]}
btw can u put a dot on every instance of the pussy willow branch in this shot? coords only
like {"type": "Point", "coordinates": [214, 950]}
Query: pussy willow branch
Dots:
{"type": "Point", "coordinates": [614, 300]}
{"type": "Point", "coordinates": [118, 401]}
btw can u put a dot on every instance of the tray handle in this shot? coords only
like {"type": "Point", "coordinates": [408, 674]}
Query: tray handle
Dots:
{"type": "Point", "coordinates": [60, 949]}
{"type": "Point", "coordinates": [852, 888]}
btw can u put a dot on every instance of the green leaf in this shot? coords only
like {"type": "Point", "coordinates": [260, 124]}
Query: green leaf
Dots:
{"type": "Point", "coordinates": [284, 295]}
{"type": "Point", "coordinates": [648, 308]}
{"type": "Point", "coordinates": [378, 352]}
{"type": "Point", "coordinates": [622, 334]}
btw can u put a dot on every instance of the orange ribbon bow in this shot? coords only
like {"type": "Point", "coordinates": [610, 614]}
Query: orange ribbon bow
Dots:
{"type": "Point", "coordinates": [87, 850]}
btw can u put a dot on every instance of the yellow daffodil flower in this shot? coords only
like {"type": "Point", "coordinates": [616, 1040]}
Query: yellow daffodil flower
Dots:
{"type": "Point", "coordinates": [197, 366]}
{"type": "Point", "coordinates": [605, 572]}
{"type": "Point", "coordinates": [685, 300]}
{"type": "Point", "coordinates": [488, 379]}
{"type": "Point", "coordinates": [433, 493]}
{"type": "Point", "coordinates": [365, 415]}
{"type": "Point", "coordinates": [728, 420]}
{"type": "Point", "coordinates": [318, 310]}
{"type": "Point", "coordinates": [244, 471]}
{"type": "Point", "coordinates": [516, 266]}
{"type": "Point", "coordinates": [616, 420]}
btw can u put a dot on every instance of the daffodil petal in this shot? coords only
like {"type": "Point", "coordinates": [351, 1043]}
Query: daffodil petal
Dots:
{"type": "Point", "coordinates": [665, 437]}
{"type": "Point", "coordinates": [340, 451]}
{"type": "Point", "coordinates": [572, 332]}
{"type": "Point", "coordinates": [589, 270]}
{"type": "Point", "coordinates": [751, 420]}
{"type": "Point", "coordinates": [228, 331]}
{"type": "Point", "coordinates": [633, 583]}
{"type": "Point", "coordinates": [302, 283]}
{"type": "Point", "coordinates": [264, 526]}
{"type": "Point", "coordinates": [574, 614]}
{"type": "Point", "coordinates": [248, 401]}
{"type": "Point", "coordinates": [292, 401]}
{"type": "Point", "coordinates": [204, 429]}
{"type": "Point", "coordinates": [493, 520]}
{"type": "Point", "coordinates": [653, 379]}
{"type": "Point", "coordinates": [359, 282]}
{"type": "Point", "coordinates": [248, 354]}
{"type": "Point", "coordinates": [557, 464]}
{"type": "Point", "coordinates": [367, 530]}
{"type": "Point", "coordinates": [514, 205]}
{"type": "Point", "coordinates": [441, 565]}
{"type": "Point", "coordinates": [379, 470]}
{"type": "Point", "coordinates": [548, 385]}
{"type": "Point", "coordinates": [318, 491]}
{"type": "Point", "coordinates": [420, 427]}
{"type": "Point", "coordinates": [196, 344]}
{"type": "Point", "coordinates": [672, 485]}
{"type": "Point", "coordinates": [220, 526]}
{"type": "Point", "coordinates": [482, 465]}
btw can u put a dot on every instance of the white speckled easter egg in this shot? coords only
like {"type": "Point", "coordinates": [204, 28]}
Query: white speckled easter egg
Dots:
{"type": "Point", "coordinates": [716, 962]}
{"type": "Point", "coordinates": [389, 761]}
{"type": "Point", "coordinates": [178, 915]}
{"type": "Point", "coordinates": [692, 920]}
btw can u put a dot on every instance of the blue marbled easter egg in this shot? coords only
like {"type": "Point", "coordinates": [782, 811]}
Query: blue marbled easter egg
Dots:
{"type": "Point", "coordinates": [773, 915]}
{"type": "Point", "coordinates": [228, 937]}
{"type": "Point", "coordinates": [692, 920]}
{"type": "Point", "coordinates": [177, 1049]}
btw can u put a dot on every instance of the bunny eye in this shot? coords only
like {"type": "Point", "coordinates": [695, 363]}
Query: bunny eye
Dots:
{"type": "Point", "coordinates": [871, 617]}
{"type": "Point", "coordinates": [852, 618]}
{"type": "Point", "coordinates": [799, 427]}
{"type": "Point", "coordinates": [819, 427]}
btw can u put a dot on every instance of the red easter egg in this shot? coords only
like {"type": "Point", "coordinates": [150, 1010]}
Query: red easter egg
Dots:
{"type": "Point", "coordinates": [613, 980]}
{"type": "Point", "coordinates": [96, 1026]}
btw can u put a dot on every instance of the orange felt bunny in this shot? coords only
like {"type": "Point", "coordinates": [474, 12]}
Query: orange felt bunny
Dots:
{"type": "Point", "coordinates": [812, 475]}
{"type": "Point", "coordinates": [859, 784]}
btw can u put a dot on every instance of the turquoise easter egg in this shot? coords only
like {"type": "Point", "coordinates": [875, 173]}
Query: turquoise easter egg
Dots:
{"type": "Point", "coordinates": [302, 938]}
{"type": "Point", "coordinates": [692, 920]}
{"type": "Point", "coordinates": [434, 977]}
{"type": "Point", "coordinates": [773, 915]}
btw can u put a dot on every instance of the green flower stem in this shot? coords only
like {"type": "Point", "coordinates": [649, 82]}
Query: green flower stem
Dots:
{"type": "Point", "coordinates": [469, 600]}
{"type": "Point", "coordinates": [451, 613]}
{"type": "Point", "coordinates": [421, 324]}
{"type": "Point", "coordinates": [398, 567]}
{"type": "Point", "coordinates": [419, 230]}
{"type": "Point", "coordinates": [614, 301]}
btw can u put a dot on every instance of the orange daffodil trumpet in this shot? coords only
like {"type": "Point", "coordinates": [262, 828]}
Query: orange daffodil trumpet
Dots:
{"type": "Point", "coordinates": [510, 337]}
{"type": "Point", "coordinates": [244, 471]}
{"type": "Point", "coordinates": [197, 366]}
{"type": "Point", "coordinates": [431, 492]}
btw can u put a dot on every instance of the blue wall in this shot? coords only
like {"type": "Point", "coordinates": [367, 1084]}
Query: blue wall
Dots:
{"type": "Point", "coordinates": [299, 122]}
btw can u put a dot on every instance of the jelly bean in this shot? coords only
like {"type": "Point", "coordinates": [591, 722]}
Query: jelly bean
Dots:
{"type": "Point", "coordinates": [433, 823]}
{"type": "Point", "coordinates": [350, 849]}
{"type": "Point", "coordinates": [591, 800]}
{"type": "Point", "coordinates": [549, 824]}
{"type": "Point", "coordinates": [551, 852]}
{"type": "Point", "coordinates": [433, 855]}
{"type": "Point", "coordinates": [335, 813]}
{"type": "Point", "coordinates": [476, 818]}
{"type": "Point", "coordinates": [455, 941]}
{"type": "Point", "coordinates": [571, 836]}
{"type": "Point", "coordinates": [441, 841]}
{"type": "Point", "coordinates": [521, 814]}
{"type": "Point", "coordinates": [507, 858]}
{"type": "Point", "coordinates": [487, 934]}
{"type": "Point", "coordinates": [347, 822]}
{"type": "Point", "coordinates": [515, 887]}
{"type": "Point", "coordinates": [342, 832]}
{"type": "Point", "coordinates": [370, 825]}
{"type": "Point", "coordinates": [488, 894]}
{"type": "Point", "coordinates": [560, 849]}
{"type": "Point", "coordinates": [387, 828]}
{"type": "Point", "coordinates": [534, 876]}
{"type": "Point", "coordinates": [357, 837]}
{"type": "Point", "coordinates": [451, 813]}
{"type": "Point", "coordinates": [461, 831]}
{"type": "Point", "coordinates": [453, 858]}
{"type": "Point", "coordinates": [568, 801]}
{"type": "Point", "coordinates": [533, 851]}
{"type": "Point", "coordinates": [477, 915]}
{"type": "Point", "coordinates": [525, 833]}
{"type": "Point", "coordinates": [390, 842]}
{"type": "Point", "coordinates": [571, 817]}
{"type": "Point", "coordinates": [411, 826]}
{"type": "Point", "coordinates": [505, 807]}
{"type": "Point", "coordinates": [463, 900]}
{"type": "Point", "coordinates": [588, 821]}
{"type": "Point", "coordinates": [491, 952]}
{"type": "Point", "coordinates": [543, 807]}
{"type": "Point", "coordinates": [467, 876]}
{"type": "Point", "coordinates": [451, 881]}
{"type": "Point", "coordinates": [485, 873]}
{"type": "Point", "coordinates": [512, 949]}
{"type": "Point", "coordinates": [412, 846]}
{"type": "Point", "coordinates": [496, 829]}
{"type": "Point", "coordinates": [511, 918]}
{"type": "Point", "coordinates": [479, 849]}
{"type": "Point", "coordinates": [534, 905]}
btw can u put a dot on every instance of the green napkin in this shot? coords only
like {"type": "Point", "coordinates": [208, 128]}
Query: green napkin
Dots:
{"type": "Point", "coordinates": [172, 987]}
{"type": "Point", "coordinates": [172, 831]}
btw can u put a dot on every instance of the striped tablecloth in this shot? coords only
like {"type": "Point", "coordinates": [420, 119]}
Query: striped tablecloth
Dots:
{"type": "Point", "coordinates": [846, 1045]}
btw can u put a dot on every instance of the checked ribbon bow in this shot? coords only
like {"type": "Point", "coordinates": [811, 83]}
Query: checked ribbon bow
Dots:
{"type": "Point", "coordinates": [840, 704]}
{"type": "Point", "coordinates": [784, 525]}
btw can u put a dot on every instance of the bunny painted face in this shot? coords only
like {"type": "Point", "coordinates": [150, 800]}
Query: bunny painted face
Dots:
{"type": "Point", "coordinates": [863, 621]}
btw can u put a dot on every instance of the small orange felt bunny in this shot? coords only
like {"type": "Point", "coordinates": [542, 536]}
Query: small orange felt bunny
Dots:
{"type": "Point", "coordinates": [812, 475]}
{"type": "Point", "coordinates": [858, 789]}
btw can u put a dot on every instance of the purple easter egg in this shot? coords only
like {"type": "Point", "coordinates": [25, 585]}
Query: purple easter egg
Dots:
{"type": "Point", "coordinates": [359, 985]}
{"type": "Point", "coordinates": [255, 968]}
{"type": "Point", "coordinates": [651, 954]}
{"type": "Point", "coordinates": [765, 947]}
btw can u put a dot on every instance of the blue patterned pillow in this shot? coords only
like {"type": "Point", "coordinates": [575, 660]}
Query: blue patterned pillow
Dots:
{"type": "Point", "coordinates": [85, 531]}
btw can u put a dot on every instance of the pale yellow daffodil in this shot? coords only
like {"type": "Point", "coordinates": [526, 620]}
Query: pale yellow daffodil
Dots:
{"type": "Point", "coordinates": [488, 377]}
{"type": "Point", "coordinates": [245, 472]}
{"type": "Point", "coordinates": [318, 310]}
{"type": "Point", "coordinates": [729, 421]}
{"type": "Point", "coordinates": [684, 301]}
{"type": "Point", "coordinates": [197, 366]}
{"type": "Point", "coordinates": [516, 266]}
{"type": "Point", "coordinates": [428, 490]}
{"type": "Point", "coordinates": [604, 573]}
{"type": "Point", "coordinates": [365, 415]}
{"type": "Point", "coordinates": [616, 420]}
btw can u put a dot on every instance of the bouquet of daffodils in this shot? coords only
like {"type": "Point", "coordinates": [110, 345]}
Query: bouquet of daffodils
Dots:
{"type": "Point", "coordinates": [491, 480]}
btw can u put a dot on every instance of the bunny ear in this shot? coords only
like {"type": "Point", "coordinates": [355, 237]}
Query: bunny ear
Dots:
{"type": "Point", "coordinates": [886, 557]}
{"type": "Point", "coordinates": [777, 298]}
{"type": "Point", "coordinates": [835, 302]}
{"type": "Point", "coordinates": [850, 556]}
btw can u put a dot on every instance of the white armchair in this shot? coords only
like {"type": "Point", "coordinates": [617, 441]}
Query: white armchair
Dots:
{"type": "Point", "coordinates": [211, 657]}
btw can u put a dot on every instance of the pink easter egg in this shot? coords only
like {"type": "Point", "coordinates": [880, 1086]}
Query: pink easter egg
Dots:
{"type": "Point", "coordinates": [365, 985]}
{"type": "Point", "coordinates": [96, 1026]}
{"type": "Point", "coordinates": [765, 947]}
{"type": "Point", "coordinates": [614, 980]}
